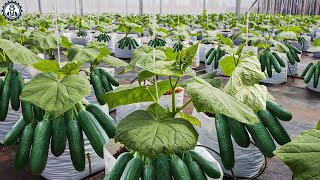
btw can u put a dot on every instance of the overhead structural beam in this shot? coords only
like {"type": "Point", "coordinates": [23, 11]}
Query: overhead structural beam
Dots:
{"type": "Point", "coordinates": [39, 6]}
{"type": "Point", "coordinates": [238, 6]}
{"type": "Point", "coordinates": [140, 7]}
{"type": "Point", "coordinates": [160, 6]}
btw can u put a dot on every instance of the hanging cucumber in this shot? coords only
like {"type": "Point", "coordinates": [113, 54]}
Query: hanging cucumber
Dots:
{"type": "Point", "coordinates": [15, 90]}
{"type": "Point", "coordinates": [279, 59]}
{"type": "Point", "coordinates": [238, 132]}
{"type": "Point", "coordinates": [278, 111]}
{"type": "Point", "coordinates": [38, 112]}
{"type": "Point", "coordinates": [59, 136]}
{"type": "Point", "coordinates": [117, 170]}
{"type": "Point", "coordinates": [316, 76]}
{"type": "Point", "coordinates": [209, 52]}
{"type": "Point", "coordinates": [112, 80]}
{"type": "Point", "coordinates": [97, 86]}
{"type": "Point", "coordinates": [306, 69]}
{"type": "Point", "coordinates": [211, 57]}
{"type": "Point", "coordinates": [162, 168]}
{"type": "Point", "coordinates": [133, 170]}
{"type": "Point", "coordinates": [5, 95]}
{"type": "Point", "coordinates": [13, 135]}
{"type": "Point", "coordinates": [195, 169]}
{"type": "Point", "coordinates": [268, 66]}
{"type": "Point", "coordinates": [310, 73]}
{"type": "Point", "coordinates": [225, 142]}
{"type": "Point", "coordinates": [207, 166]}
{"type": "Point", "coordinates": [275, 63]}
{"type": "Point", "coordinates": [179, 169]}
{"type": "Point", "coordinates": [149, 172]}
{"type": "Point", "coordinates": [263, 62]}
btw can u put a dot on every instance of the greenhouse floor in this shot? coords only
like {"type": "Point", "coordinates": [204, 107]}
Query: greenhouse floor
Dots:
{"type": "Point", "coordinates": [293, 95]}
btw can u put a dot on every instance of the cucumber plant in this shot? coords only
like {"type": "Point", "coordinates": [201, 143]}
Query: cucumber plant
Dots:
{"type": "Point", "coordinates": [127, 27]}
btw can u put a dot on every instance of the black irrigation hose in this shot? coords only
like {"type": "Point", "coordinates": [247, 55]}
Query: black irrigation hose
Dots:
{"type": "Point", "coordinates": [261, 171]}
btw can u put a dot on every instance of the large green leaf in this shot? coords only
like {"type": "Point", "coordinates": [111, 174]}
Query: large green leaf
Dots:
{"type": "Point", "coordinates": [143, 57]}
{"type": "Point", "coordinates": [243, 84]}
{"type": "Point", "coordinates": [47, 66]}
{"type": "Point", "coordinates": [228, 64]}
{"type": "Point", "coordinates": [43, 41]}
{"type": "Point", "coordinates": [134, 93]}
{"type": "Point", "coordinates": [83, 54]}
{"type": "Point", "coordinates": [193, 120]}
{"type": "Point", "coordinates": [286, 35]}
{"type": "Point", "coordinates": [206, 98]}
{"type": "Point", "coordinates": [18, 53]}
{"type": "Point", "coordinates": [140, 131]}
{"type": "Point", "coordinates": [72, 67]}
{"type": "Point", "coordinates": [55, 96]}
{"type": "Point", "coordinates": [302, 155]}
{"type": "Point", "coordinates": [186, 56]}
{"type": "Point", "coordinates": [113, 61]}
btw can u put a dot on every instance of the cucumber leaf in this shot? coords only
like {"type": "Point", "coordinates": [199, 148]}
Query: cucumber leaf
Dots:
{"type": "Point", "coordinates": [206, 98]}
{"type": "Point", "coordinates": [142, 132]}
{"type": "Point", "coordinates": [134, 93]}
{"type": "Point", "coordinates": [302, 155]}
{"type": "Point", "coordinates": [83, 54]}
{"type": "Point", "coordinates": [18, 53]}
{"type": "Point", "coordinates": [228, 64]}
{"type": "Point", "coordinates": [47, 66]}
{"type": "Point", "coordinates": [193, 120]}
{"type": "Point", "coordinates": [72, 67]}
{"type": "Point", "coordinates": [113, 61]}
{"type": "Point", "coordinates": [53, 95]}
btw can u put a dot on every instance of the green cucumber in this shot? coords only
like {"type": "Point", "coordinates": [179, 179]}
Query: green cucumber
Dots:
{"type": "Point", "coordinates": [316, 76]}
{"type": "Point", "coordinates": [238, 132]}
{"type": "Point", "coordinates": [26, 107]}
{"type": "Point", "coordinates": [295, 50]}
{"type": "Point", "coordinates": [40, 146]}
{"type": "Point", "coordinates": [106, 84]}
{"type": "Point", "coordinates": [209, 52]}
{"type": "Point", "coordinates": [162, 167]}
{"type": "Point", "coordinates": [112, 80]}
{"type": "Point", "coordinates": [1, 86]}
{"type": "Point", "coordinates": [310, 74]}
{"type": "Point", "coordinates": [149, 172]}
{"type": "Point", "coordinates": [275, 128]}
{"type": "Point", "coordinates": [133, 170]}
{"type": "Point", "coordinates": [296, 57]}
{"type": "Point", "coordinates": [15, 90]}
{"type": "Point", "coordinates": [278, 111]}
{"type": "Point", "coordinates": [263, 62]}
{"type": "Point", "coordinates": [196, 172]}
{"type": "Point", "coordinates": [136, 43]}
{"type": "Point", "coordinates": [179, 169]}
{"type": "Point", "coordinates": [93, 130]}
{"type": "Point", "coordinates": [268, 66]}
{"type": "Point", "coordinates": [68, 116]}
{"type": "Point", "coordinates": [38, 112]}
{"type": "Point", "coordinates": [279, 59]}
{"type": "Point", "coordinates": [117, 169]}
{"type": "Point", "coordinates": [104, 119]}
{"type": "Point", "coordinates": [275, 63]}
{"type": "Point", "coordinates": [211, 57]}
{"type": "Point", "coordinates": [225, 142]}
{"type": "Point", "coordinates": [97, 86]}
{"type": "Point", "coordinates": [207, 166]}
{"type": "Point", "coordinates": [262, 139]}
{"type": "Point", "coordinates": [291, 58]}
{"type": "Point", "coordinates": [306, 69]}
{"type": "Point", "coordinates": [5, 96]}
{"type": "Point", "coordinates": [59, 136]}
{"type": "Point", "coordinates": [24, 147]}
{"type": "Point", "coordinates": [13, 135]}
{"type": "Point", "coordinates": [76, 145]}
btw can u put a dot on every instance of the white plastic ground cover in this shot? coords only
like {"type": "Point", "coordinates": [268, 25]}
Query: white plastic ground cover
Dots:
{"type": "Point", "coordinates": [202, 51]}
{"type": "Point", "coordinates": [11, 119]}
{"type": "Point", "coordinates": [111, 45]}
{"type": "Point", "coordinates": [310, 86]}
{"type": "Point", "coordinates": [293, 68]}
{"type": "Point", "coordinates": [62, 168]}
{"type": "Point", "coordinates": [165, 101]}
{"type": "Point", "coordinates": [125, 53]}
{"type": "Point", "coordinates": [278, 78]}
{"type": "Point", "coordinates": [248, 161]}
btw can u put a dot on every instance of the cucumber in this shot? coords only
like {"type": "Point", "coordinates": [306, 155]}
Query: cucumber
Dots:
{"type": "Point", "coordinates": [296, 57]}
{"type": "Point", "coordinates": [206, 165]}
{"type": "Point", "coordinates": [133, 170]}
{"type": "Point", "coordinates": [275, 128]}
{"type": "Point", "coordinates": [13, 135]}
{"type": "Point", "coordinates": [111, 79]}
{"type": "Point", "coordinates": [262, 139]}
{"type": "Point", "coordinates": [238, 132]}
{"type": "Point", "coordinates": [306, 69]}
{"type": "Point", "coordinates": [136, 43]}
{"type": "Point", "coordinates": [24, 147]}
{"type": "Point", "coordinates": [295, 50]}
{"type": "Point", "coordinates": [310, 74]}
{"type": "Point", "coordinates": [275, 63]}
{"type": "Point", "coordinates": [104, 119]}
{"type": "Point", "coordinates": [179, 169]}
{"type": "Point", "coordinates": [316, 76]}
{"type": "Point", "coordinates": [149, 172]}
{"type": "Point", "coordinates": [27, 112]}
{"type": "Point", "coordinates": [291, 58]}
{"type": "Point", "coordinates": [211, 57]}
{"type": "Point", "coordinates": [68, 116]}
{"type": "Point", "coordinates": [76, 145]}
{"type": "Point", "coordinates": [162, 167]}
{"type": "Point", "coordinates": [5, 96]}
{"type": "Point", "coordinates": [15, 90]}
{"type": "Point", "coordinates": [97, 87]}
{"type": "Point", "coordinates": [225, 142]}
{"type": "Point", "coordinates": [40, 146]}
{"type": "Point", "coordinates": [117, 170]}
{"type": "Point", "coordinates": [268, 66]}
{"type": "Point", "coordinates": [1, 86]}
{"type": "Point", "coordinates": [38, 112]}
{"type": "Point", "coordinates": [106, 84]}
{"type": "Point", "coordinates": [209, 52]}
{"type": "Point", "coordinates": [93, 130]}
{"type": "Point", "coordinates": [196, 171]}
{"type": "Point", "coordinates": [279, 59]}
{"type": "Point", "coordinates": [263, 62]}
{"type": "Point", "coordinates": [59, 136]}
{"type": "Point", "coordinates": [278, 111]}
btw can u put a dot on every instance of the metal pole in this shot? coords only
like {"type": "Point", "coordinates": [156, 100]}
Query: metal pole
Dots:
{"type": "Point", "coordinates": [160, 6]}
{"type": "Point", "coordinates": [140, 7]}
{"type": "Point", "coordinates": [238, 5]}
{"type": "Point", "coordinates": [81, 7]}
{"type": "Point", "coordinates": [127, 7]}
{"type": "Point", "coordinates": [39, 6]}
{"type": "Point", "coordinates": [204, 5]}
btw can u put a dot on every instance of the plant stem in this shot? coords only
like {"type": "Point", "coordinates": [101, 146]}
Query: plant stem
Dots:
{"type": "Point", "coordinates": [156, 86]}
{"type": "Point", "coordinates": [184, 105]}
{"type": "Point", "coordinates": [173, 95]}
{"type": "Point", "coordinates": [154, 99]}
{"type": "Point", "coordinates": [80, 106]}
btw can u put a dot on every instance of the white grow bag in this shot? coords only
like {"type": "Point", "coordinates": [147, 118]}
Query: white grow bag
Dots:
{"type": "Point", "coordinates": [111, 45]}
{"type": "Point", "coordinates": [81, 40]}
{"type": "Point", "coordinates": [165, 101]}
{"type": "Point", "coordinates": [248, 161]}
{"type": "Point", "coordinates": [278, 78]}
{"type": "Point", "coordinates": [310, 86]}
{"type": "Point", "coordinates": [125, 53]}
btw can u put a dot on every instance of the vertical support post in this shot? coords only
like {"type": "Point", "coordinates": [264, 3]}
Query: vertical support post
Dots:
{"type": "Point", "coordinates": [238, 5]}
{"type": "Point", "coordinates": [126, 7]}
{"type": "Point", "coordinates": [160, 6]}
{"type": "Point", "coordinates": [140, 7]}
{"type": "Point", "coordinates": [204, 5]}
{"type": "Point", "coordinates": [81, 7]}
{"type": "Point", "coordinates": [39, 6]}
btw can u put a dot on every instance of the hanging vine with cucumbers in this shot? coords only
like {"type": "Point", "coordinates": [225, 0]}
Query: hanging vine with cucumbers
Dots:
{"type": "Point", "coordinates": [127, 27]}
{"type": "Point", "coordinates": [311, 71]}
